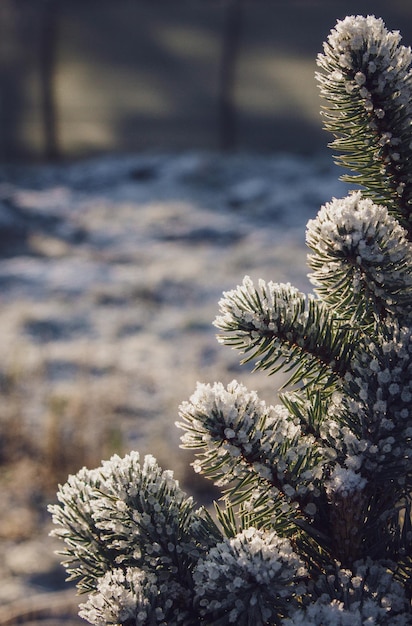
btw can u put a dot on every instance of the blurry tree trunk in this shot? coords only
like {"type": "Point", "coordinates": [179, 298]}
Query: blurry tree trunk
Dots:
{"type": "Point", "coordinates": [228, 63]}
{"type": "Point", "coordinates": [48, 48]}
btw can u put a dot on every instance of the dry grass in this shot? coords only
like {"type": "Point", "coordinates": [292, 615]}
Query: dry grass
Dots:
{"type": "Point", "coordinates": [53, 609]}
{"type": "Point", "coordinates": [73, 425]}
{"type": "Point", "coordinates": [76, 429]}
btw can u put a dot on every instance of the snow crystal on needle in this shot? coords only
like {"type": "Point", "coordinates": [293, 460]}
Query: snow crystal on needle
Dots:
{"type": "Point", "coordinates": [374, 46]}
{"type": "Point", "coordinates": [260, 307]}
{"type": "Point", "coordinates": [353, 31]}
{"type": "Point", "coordinates": [344, 481]}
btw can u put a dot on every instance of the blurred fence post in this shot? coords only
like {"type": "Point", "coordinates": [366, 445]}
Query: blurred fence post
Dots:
{"type": "Point", "coordinates": [227, 78]}
{"type": "Point", "coordinates": [28, 45]}
{"type": "Point", "coordinates": [48, 49]}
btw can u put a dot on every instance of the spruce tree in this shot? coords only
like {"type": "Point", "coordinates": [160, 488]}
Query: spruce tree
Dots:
{"type": "Point", "coordinates": [314, 525]}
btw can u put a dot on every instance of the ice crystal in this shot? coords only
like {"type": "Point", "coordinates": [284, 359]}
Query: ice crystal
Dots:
{"type": "Point", "coordinates": [344, 481]}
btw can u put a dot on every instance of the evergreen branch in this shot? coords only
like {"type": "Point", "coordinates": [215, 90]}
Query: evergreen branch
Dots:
{"type": "Point", "coordinates": [141, 518]}
{"type": "Point", "coordinates": [254, 578]}
{"type": "Point", "coordinates": [378, 394]}
{"type": "Point", "coordinates": [258, 453]}
{"type": "Point", "coordinates": [366, 593]}
{"type": "Point", "coordinates": [361, 261]}
{"type": "Point", "coordinates": [236, 518]}
{"type": "Point", "coordinates": [86, 557]}
{"type": "Point", "coordinates": [389, 524]}
{"type": "Point", "coordinates": [319, 415]}
{"type": "Point", "coordinates": [130, 596]}
{"type": "Point", "coordinates": [145, 503]}
{"type": "Point", "coordinates": [366, 82]}
{"type": "Point", "coordinates": [285, 329]}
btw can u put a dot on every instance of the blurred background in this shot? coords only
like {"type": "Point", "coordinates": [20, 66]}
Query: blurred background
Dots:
{"type": "Point", "coordinates": [81, 77]}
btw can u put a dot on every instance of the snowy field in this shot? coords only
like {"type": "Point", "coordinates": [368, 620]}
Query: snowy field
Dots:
{"type": "Point", "coordinates": [110, 275]}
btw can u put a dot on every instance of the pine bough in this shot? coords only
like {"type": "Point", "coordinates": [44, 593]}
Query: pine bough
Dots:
{"type": "Point", "coordinates": [314, 527]}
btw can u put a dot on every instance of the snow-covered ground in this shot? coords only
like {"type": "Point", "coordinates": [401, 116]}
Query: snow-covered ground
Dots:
{"type": "Point", "coordinates": [112, 268]}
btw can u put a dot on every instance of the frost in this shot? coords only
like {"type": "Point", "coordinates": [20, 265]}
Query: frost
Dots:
{"type": "Point", "coordinates": [344, 481]}
{"type": "Point", "coordinates": [256, 573]}
{"type": "Point", "coordinates": [367, 595]}
{"type": "Point", "coordinates": [356, 228]}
